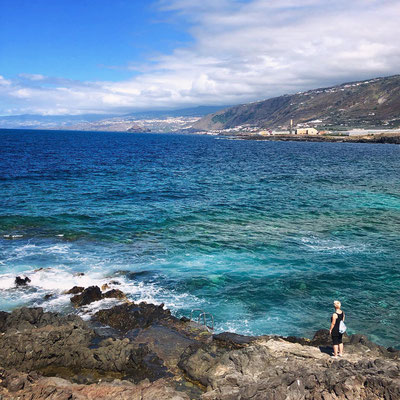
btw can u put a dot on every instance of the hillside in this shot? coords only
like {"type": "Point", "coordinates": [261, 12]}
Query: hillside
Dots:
{"type": "Point", "coordinates": [371, 103]}
{"type": "Point", "coordinates": [139, 121]}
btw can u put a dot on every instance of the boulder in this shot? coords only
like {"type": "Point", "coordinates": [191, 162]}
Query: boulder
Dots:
{"type": "Point", "coordinates": [22, 281]}
{"type": "Point", "coordinates": [89, 295]}
{"type": "Point", "coordinates": [75, 290]}
{"type": "Point", "coordinates": [115, 294]}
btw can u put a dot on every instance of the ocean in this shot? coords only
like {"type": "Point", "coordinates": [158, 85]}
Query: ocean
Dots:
{"type": "Point", "coordinates": [262, 235]}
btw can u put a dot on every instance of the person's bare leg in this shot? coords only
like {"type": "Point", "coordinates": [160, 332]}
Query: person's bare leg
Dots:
{"type": "Point", "coordinates": [335, 350]}
{"type": "Point", "coordinates": [341, 349]}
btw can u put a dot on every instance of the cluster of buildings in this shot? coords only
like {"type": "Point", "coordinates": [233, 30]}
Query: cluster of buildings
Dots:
{"type": "Point", "coordinates": [298, 131]}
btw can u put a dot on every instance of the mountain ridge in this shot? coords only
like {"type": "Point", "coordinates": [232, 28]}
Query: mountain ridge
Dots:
{"type": "Point", "coordinates": [369, 103]}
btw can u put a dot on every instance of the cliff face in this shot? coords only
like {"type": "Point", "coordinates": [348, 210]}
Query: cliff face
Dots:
{"type": "Point", "coordinates": [372, 103]}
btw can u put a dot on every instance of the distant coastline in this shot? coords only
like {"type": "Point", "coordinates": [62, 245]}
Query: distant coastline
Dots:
{"type": "Point", "coordinates": [378, 138]}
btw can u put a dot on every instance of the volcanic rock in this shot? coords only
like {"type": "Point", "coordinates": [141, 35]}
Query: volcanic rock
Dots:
{"type": "Point", "coordinates": [62, 346]}
{"type": "Point", "coordinates": [89, 295]}
{"type": "Point", "coordinates": [3, 320]}
{"type": "Point", "coordinates": [17, 385]}
{"type": "Point", "coordinates": [115, 294]}
{"type": "Point", "coordinates": [277, 369]}
{"type": "Point", "coordinates": [75, 290]}
{"type": "Point", "coordinates": [126, 317]}
{"type": "Point", "coordinates": [234, 340]}
{"type": "Point", "coordinates": [22, 281]}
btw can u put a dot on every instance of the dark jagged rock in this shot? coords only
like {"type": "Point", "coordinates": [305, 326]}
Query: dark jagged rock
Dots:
{"type": "Point", "coordinates": [26, 318]}
{"type": "Point", "coordinates": [89, 295]}
{"type": "Point", "coordinates": [277, 369]}
{"type": "Point", "coordinates": [363, 340]}
{"type": "Point", "coordinates": [115, 294]}
{"type": "Point", "coordinates": [167, 343]}
{"type": "Point", "coordinates": [22, 281]}
{"type": "Point", "coordinates": [75, 290]}
{"type": "Point", "coordinates": [146, 343]}
{"type": "Point", "coordinates": [130, 316]}
{"type": "Point", "coordinates": [233, 340]}
{"type": "Point", "coordinates": [322, 338]}
{"type": "Point", "coordinates": [3, 320]}
{"type": "Point", "coordinates": [61, 345]}
{"type": "Point", "coordinates": [48, 296]}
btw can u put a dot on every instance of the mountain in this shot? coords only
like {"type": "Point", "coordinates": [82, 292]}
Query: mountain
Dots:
{"type": "Point", "coordinates": [160, 120]}
{"type": "Point", "coordinates": [199, 111]}
{"type": "Point", "coordinates": [363, 104]}
{"type": "Point", "coordinates": [36, 121]}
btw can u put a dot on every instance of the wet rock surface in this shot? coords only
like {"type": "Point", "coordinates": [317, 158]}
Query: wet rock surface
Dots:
{"type": "Point", "coordinates": [89, 295]}
{"type": "Point", "coordinates": [22, 281]}
{"type": "Point", "coordinates": [61, 345]}
{"type": "Point", "coordinates": [141, 351]}
{"type": "Point", "coordinates": [126, 317]}
{"type": "Point", "coordinates": [75, 290]}
{"type": "Point", "coordinates": [114, 294]}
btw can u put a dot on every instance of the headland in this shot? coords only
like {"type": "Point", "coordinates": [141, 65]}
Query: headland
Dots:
{"type": "Point", "coordinates": [384, 138]}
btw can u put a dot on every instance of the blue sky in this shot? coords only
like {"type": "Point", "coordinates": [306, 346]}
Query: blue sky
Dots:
{"type": "Point", "coordinates": [84, 39]}
{"type": "Point", "coordinates": [117, 56]}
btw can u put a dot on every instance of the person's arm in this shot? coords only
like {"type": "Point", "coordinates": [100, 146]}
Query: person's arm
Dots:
{"type": "Point", "coordinates": [344, 316]}
{"type": "Point", "coordinates": [334, 316]}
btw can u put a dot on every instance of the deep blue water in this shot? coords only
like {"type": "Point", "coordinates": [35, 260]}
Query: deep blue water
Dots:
{"type": "Point", "coordinates": [264, 235]}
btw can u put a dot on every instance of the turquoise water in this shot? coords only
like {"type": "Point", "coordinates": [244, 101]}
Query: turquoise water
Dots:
{"type": "Point", "coordinates": [264, 235]}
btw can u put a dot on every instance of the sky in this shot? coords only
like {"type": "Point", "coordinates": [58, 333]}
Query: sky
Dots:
{"type": "Point", "coordinates": [71, 57]}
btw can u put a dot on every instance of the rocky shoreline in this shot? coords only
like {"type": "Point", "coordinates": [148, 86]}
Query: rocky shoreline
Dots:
{"type": "Point", "coordinates": [141, 351]}
{"type": "Point", "coordinates": [377, 138]}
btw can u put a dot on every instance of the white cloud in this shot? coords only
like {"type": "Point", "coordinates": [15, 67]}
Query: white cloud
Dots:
{"type": "Point", "coordinates": [4, 82]}
{"type": "Point", "coordinates": [32, 77]}
{"type": "Point", "coordinates": [241, 51]}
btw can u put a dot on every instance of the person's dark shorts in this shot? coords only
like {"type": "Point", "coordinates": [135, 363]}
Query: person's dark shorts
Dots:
{"type": "Point", "coordinates": [337, 339]}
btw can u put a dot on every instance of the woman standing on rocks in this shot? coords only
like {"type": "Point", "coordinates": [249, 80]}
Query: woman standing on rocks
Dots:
{"type": "Point", "coordinates": [337, 316]}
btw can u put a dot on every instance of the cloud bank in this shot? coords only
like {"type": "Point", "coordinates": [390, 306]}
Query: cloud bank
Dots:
{"type": "Point", "coordinates": [241, 51]}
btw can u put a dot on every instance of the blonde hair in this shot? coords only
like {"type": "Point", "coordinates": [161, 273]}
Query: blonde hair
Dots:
{"type": "Point", "coordinates": [337, 303]}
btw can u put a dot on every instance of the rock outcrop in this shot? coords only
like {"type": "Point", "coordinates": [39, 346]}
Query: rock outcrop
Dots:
{"type": "Point", "coordinates": [65, 346]}
{"type": "Point", "coordinates": [89, 295]}
{"type": "Point", "coordinates": [86, 296]}
{"type": "Point", "coordinates": [22, 281]}
{"type": "Point", "coordinates": [141, 351]}
{"type": "Point", "coordinates": [126, 317]}
{"type": "Point", "coordinates": [16, 385]}
{"type": "Point", "coordinates": [274, 368]}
